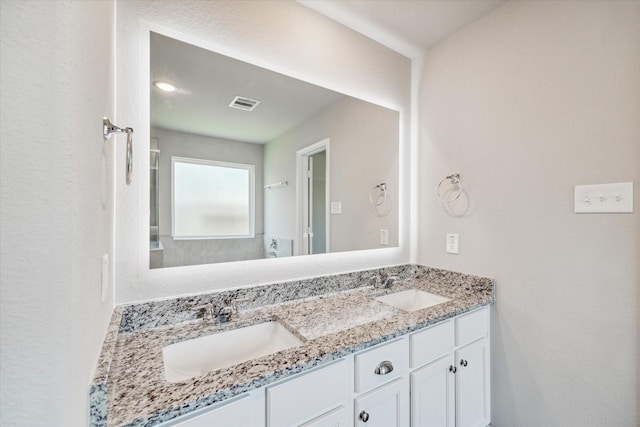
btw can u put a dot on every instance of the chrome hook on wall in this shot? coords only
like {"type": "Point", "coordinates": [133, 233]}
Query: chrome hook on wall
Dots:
{"type": "Point", "coordinates": [109, 128]}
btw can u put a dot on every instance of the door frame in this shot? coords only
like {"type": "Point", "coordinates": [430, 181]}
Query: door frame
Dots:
{"type": "Point", "coordinates": [301, 161]}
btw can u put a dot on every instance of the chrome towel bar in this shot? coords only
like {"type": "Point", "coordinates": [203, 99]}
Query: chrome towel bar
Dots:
{"type": "Point", "coordinates": [109, 128]}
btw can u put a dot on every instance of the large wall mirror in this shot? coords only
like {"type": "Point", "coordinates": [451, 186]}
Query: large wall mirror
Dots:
{"type": "Point", "coordinates": [247, 163]}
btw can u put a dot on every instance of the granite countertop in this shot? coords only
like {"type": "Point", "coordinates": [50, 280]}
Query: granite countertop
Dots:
{"type": "Point", "coordinates": [129, 387]}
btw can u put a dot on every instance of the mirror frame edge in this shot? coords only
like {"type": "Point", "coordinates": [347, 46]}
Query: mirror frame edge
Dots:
{"type": "Point", "coordinates": [200, 278]}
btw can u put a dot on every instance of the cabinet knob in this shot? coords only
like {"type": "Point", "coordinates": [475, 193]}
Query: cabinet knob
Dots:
{"type": "Point", "coordinates": [452, 369]}
{"type": "Point", "coordinates": [364, 416]}
{"type": "Point", "coordinates": [384, 368]}
{"type": "Point", "coordinates": [463, 362]}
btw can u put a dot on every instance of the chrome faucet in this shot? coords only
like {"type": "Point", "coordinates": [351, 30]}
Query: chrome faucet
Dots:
{"type": "Point", "coordinates": [224, 313]}
{"type": "Point", "coordinates": [382, 280]}
{"type": "Point", "coordinates": [219, 313]}
{"type": "Point", "coordinates": [204, 311]}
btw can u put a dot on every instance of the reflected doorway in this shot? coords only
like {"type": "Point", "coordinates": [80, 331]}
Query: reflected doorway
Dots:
{"type": "Point", "coordinates": [313, 182]}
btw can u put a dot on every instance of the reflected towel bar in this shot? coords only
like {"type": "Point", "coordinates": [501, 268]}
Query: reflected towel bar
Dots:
{"type": "Point", "coordinates": [277, 184]}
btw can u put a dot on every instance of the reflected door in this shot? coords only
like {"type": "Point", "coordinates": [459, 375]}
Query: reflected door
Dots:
{"type": "Point", "coordinates": [314, 205]}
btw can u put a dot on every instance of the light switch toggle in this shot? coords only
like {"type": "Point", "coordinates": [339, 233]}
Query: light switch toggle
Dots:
{"type": "Point", "coordinates": [604, 198]}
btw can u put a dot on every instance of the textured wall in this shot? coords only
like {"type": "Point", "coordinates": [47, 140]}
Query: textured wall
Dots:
{"type": "Point", "coordinates": [285, 37]}
{"type": "Point", "coordinates": [56, 205]}
{"type": "Point", "coordinates": [525, 103]}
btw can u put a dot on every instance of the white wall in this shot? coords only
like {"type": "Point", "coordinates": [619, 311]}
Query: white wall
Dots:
{"type": "Point", "coordinates": [363, 153]}
{"type": "Point", "coordinates": [56, 205]}
{"type": "Point", "coordinates": [285, 37]}
{"type": "Point", "coordinates": [525, 103]}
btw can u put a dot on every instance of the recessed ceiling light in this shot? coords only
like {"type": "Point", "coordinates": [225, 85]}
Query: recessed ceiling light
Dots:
{"type": "Point", "coordinates": [167, 87]}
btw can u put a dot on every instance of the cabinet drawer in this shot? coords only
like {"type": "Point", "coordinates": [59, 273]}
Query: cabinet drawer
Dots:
{"type": "Point", "coordinates": [336, 418]}
{"type": "Point", "coordinates": [307, 396]}
{"type": "Point", "coordinates": [431, 344]}
{"type": "Point", "coordinates": [394, 355]}
{"type": "Point", "coordinates": [246, 410]}
{"type": "Point", "coordinates": [472, 326]}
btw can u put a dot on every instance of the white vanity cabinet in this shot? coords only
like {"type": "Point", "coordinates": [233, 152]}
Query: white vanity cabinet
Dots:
{"type": "Point", "coordinates": [339, 417]}
{"type": "Point", "coordinates": [433, 394]}
{"type": "Point", "coordinates": [382, 385]}
{"type": "Point", "coordinates": [436, 377]}
{"type": "Point", "coordinates": [473, 395]}
{"type": "Point", "coordinates": [451, 385]}
{"type": "Point", "coordinates": [315, 398]}
{"type": "Point", "coordinates": [385, 406]}
{"type": "Point", "coordinates": [246, 410]}
{"type": "Point", "coordinates": [472, 385]}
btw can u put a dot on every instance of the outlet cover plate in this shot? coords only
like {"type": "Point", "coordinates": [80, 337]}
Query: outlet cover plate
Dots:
{"type": "Point", "coordinates": [453, 243]}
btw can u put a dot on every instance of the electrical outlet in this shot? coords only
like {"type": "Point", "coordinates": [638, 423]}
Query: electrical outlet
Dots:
{"type": "Point", "coordinates": [453, 246]}
{"type": "Point", "coordinates": [384, 237]}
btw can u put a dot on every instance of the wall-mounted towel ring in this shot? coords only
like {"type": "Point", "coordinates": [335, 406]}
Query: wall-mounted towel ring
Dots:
{"type": "Point", "coordinates": [109, 128]}
{"type": "Point", "coordinates": [379, 198]}
{"type": "Point", "coordinates": [443, 191]}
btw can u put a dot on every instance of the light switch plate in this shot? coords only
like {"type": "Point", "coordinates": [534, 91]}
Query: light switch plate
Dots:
{"type": "Point", "coordinates": [453, 246]}
{"type": "Point", "coordinates": [336, 208]}
{"type": "Point", "coordinates": [604, 198]}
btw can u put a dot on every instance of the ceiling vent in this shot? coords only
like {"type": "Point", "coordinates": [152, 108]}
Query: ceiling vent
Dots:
{"type": "Point", "coordinates": [242, 103]}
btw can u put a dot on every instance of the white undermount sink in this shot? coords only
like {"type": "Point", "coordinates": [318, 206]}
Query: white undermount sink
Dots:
{"type": "Point", "coordinates": [412, 299]}
{"type": "Point", "coordinates": [196, 357]}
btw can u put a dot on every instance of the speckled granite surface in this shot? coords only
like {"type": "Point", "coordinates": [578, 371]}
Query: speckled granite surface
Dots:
{"type": "Point", "coordinates": [334, 315]}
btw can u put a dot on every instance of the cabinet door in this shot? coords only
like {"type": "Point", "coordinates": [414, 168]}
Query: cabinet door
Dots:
{"type": "Point", "coordinates": [433, 395]}
{"type": "Point", "coordinates": [472, 385]}
{"type": "Point", "coordinates": [305, 397]}
{"type": "Point", "coordinates": [386, 406]}
{"type": "Point", "coordinates": [246, 411]}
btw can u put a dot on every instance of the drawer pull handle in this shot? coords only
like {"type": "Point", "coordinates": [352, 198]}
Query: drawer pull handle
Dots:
{"type": "Point", "coordinates": [383, 368]}
{"type": "Point", "coordinates": [463, 362]}
{"type": "Point", "coordinates": [452, 369]}
{"type": "Point", "coordinates": [364, 416]}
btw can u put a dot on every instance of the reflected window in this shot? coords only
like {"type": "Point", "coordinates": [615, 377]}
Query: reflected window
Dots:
{"type": "Point", "coordinates": [212, 199]}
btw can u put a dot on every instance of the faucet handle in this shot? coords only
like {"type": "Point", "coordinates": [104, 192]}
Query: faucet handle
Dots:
{"type": "Point", "coordinates": [235, 302]}
{"type": "Point", "coordinates": [390, 280]}
{"type": "Point", "coordinates": [203, 311]}
{"type": "Point", "coordinates": [375, 281]}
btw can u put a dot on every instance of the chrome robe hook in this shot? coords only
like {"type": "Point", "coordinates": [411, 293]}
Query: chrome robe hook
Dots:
{"type": "Point", "coordinates": [109, 128]}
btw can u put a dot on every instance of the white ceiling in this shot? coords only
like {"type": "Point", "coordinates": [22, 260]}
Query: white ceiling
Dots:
{"type": "Point", "coordinates": [207, 83]}
{"type": "Point", "coordinates": [406, 26]}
